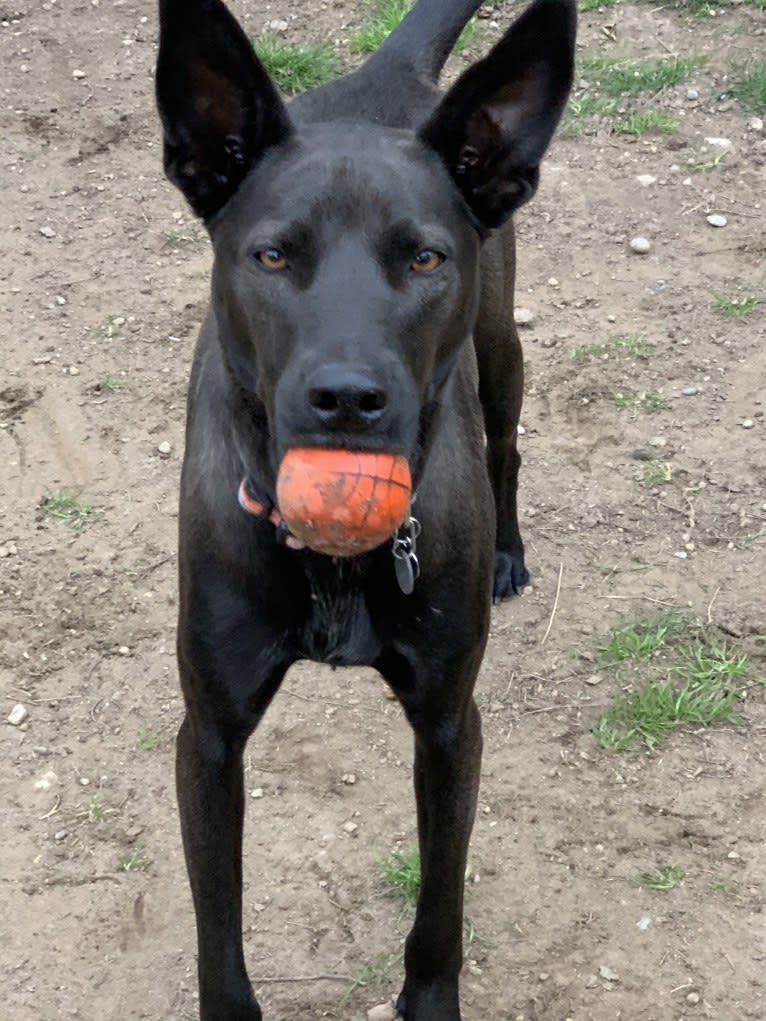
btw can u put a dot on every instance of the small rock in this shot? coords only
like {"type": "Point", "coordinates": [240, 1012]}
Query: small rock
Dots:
{"type": "Point", "coordinates": [606, 972]}
{"type": "Point", "coordinates": [645, 180]}
{"type": "Point", "coordinates": [73, 370]}
{"type": "Point", "coordinates": [639, 454]}
{"type": "Point", "coordinates": [47, 232]}
{"type": "Point", "coordinates": [748, 423]}
{"type": "Point", "coordinates": [640, 245]}
{"type": "Point", "coordinates": [717, 220]}
{"type": "Point", "coordinates": [681, 554]}
{"type": "Point", "coordinates": [523, 316]}
{"type": "Point", "coordinates": [348, 778]}
{"type": "Point", "coordinates": [350, 826]}
{"type": "Point", "coordinates": [690, 391]}
{"type": "Point", "coordinates": [78, 75]}
{"type": "Point", "coordinates": [257, 792]}
{"type": "Point", "coordinates": [692, 94]}
{"type": "Point", "coordinates": [60, 835]}
{"type": "Point", "coordinates": [755, 124]}
{"type": "Point", "coordinates": [550, 341]}
{"type": "Point", "coordinates": [722, 143]}
{"type": "Point", "coordinates": [18, 715]}
{"type": "Point", "coordinates": [733, 855]}
{"type": "Point", "coordinates": [658, 441]}
{"type": "Point", "coordinates": [124, 650]}
{"type": "Point", "coordinates": [692, 997]}
{"type": "Point", "coordinates": [553, 282]}
{"type": "Point", "coordinates": [383, 1012]}
{"type": "Point", "coordinates": [164, 448]}
{"type": "Point", "coordinates": [594, 679]}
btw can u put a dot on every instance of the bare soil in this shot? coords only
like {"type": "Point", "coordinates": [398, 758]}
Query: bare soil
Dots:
{"type": "Point", "coordinates": [103, 285]}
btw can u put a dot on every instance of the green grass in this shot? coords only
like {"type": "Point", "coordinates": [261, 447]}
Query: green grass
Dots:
{"type": "Point", "coordinates": [701, 8]}
{"type": "Point", "coordinates": [653, 122]}
{"type": "Point", "coordinates": [749, 85]}
{"type": "Point", "coordinates": [641, 639]}
{"type": "Point", "coordinates": [657, 473]}
{"type": "Point", "coordinates": [94, 811]}
{"type": "Point", "coordinates": [113, 384]}
{"type": "Point", "coordinates": [665, 878]}
{"type": "Point", "coordinates": [374, 975]}
{"type": "Point", "coordinates": [69, 508]}
{"type": "Point", "coordinates": [681, 673]}
{"type": "Point", "coordinates": [736, 307]}
{"type": "Point", "coordinates": [297, 66]}
{"type": "Point", "coordinates": [704, 166]}
{"type": "Point", "coordinates": [400, 872]}
{"type": "Point", "coordinates": [646, 401]}
{"type": "Point", "coordinates": [385, 17]}
{"type": "Point", "coordinates": [633, 344]}
{"type": "Point", "coordinates": [133, 861]}
{"type": "Point", "coordinates": [147, 742]}
{"type": "Point", "coordinates": [617, 78]}
{"type": "Point", "coordinates": [594, 5]}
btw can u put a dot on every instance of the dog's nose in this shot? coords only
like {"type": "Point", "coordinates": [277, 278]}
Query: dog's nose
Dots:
{"type": "Point", "coordinates": [346, 398]}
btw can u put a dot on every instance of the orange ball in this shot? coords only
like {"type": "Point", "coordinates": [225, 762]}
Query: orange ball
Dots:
{"type": "Point", "coordinates": [343, 502]}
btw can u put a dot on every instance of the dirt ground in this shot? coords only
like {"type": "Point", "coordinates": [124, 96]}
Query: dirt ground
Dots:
{"type": "Point", "coordinates": [103, 289]}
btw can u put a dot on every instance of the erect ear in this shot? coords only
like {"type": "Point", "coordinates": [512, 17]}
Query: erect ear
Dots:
{"type": "Point", "coordinates": [494, 125]}
{"type": "Point", "coordinates": [218, 106]}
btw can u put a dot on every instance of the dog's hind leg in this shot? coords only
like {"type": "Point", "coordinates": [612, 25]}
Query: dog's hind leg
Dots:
{"type": "Point", "coordinates": [501, 386]}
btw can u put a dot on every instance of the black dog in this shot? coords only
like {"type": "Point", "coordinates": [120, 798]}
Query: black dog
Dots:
{"type": "Point", "coordinates": [356, 290]}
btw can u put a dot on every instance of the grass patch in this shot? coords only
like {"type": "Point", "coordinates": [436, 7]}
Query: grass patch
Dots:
{"type": "Point", "coordinates": [133, 861]}
{"type": "Point", "coordinates": [594, 5]}
{"type": "Point", "coordinates": [657, 473]}
{"type": "Point", "coordinates": [647, 402]}
{"type": "Point", "coordinates": [112, 384]}
{"type": "Point", "coordinates": [296, 67]}
{"type": "Point", "coordinates": [633, 344]}
{"type": "Point", "coordinates": [749, 85]}
{"type": "Point", "coordinates": [147, 742]}
{"type": "Point", "coordinates": [704, 166]}
{"type": "Point", "coordinates": [616, 78]}
{"type": "Point", "coordinates": [736, 307]}
{"type": "Point", "coordinates": [69, 508]}
{"type": "Point", "coordinates": [400, 872]}
{"type": "Point", "coordinates": [680, 674]}
{"type": "Point", "coordinates": [374, 974]}
{"type": "Point", "coordinates": [666, 878]}
{"type": "Point", "coordinates": [93, 812]}
{"type": "Point", "coordinates": [653, 122]}
{"type": "Point", "coordinates": [386, 16]}
{"type": "Point", "coordinates": [641, 639]}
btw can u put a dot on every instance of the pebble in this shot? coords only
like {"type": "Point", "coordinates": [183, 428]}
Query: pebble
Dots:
{"type": "Point", "coordinates": [18, 715]}
{"type": "Point", "coordinates": [692, 94]}
{"type": "Point", "coordinates": [77, 74]}
{"type": "Point", "coordinates": [60, 835]}
{"type": "Point", "coordinates": [349, 779]}
{"type": "Point", "coordinates": [640, 245]}
{"type": "Point", "coordinates": [124, 650]}
{"type": "Point", "coordinates": [690, 391]}
{"type": "Point", "coordinates": [692, 997]}
{"type": "Point", "coordinates": [755, 124]}
{"type": "Point", "coordinates": [523, 316]}
{"type": "Point", "coordinates": [646, 179]}
{"type": "Point", "coordinates": [717, 220]}
{"type": "Point", "coordinates": [47, 232]}
{"type": "Point", "coordinates": [383, 1012]}
{"type": "Point", "coordinates": [257, 792]}
{"type": "Point", "coordinates": [748, 423]}
{"type": "Point", "coordinates": [658, 441]}
{"type": "Point", "coordinates": [73, 370]}
{"type": "Point", "coordinates": [350, 827]}
{"type": "Point", "coordinates": [164, 448]}
{"type": "Point", "coordinates": [594, 679]}
{"type": "Point", "coordinates": [640, 454]}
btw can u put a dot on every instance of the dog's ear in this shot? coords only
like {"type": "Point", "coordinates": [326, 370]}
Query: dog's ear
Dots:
{"type": "Point", "coordinates": [218, 106]}
{"type": "Point", "coordinates": [494, 125]}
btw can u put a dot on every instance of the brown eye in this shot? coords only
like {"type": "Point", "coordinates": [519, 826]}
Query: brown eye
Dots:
{"type": "Point", "coordinates": [427, 261]}
{"type": "Point", "coordinates": [271, 258]}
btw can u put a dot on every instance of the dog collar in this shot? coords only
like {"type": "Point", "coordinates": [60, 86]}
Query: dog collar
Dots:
{"type": "Point", "coordinates": [252, 499]}
{"type": "Point", "coordinates": [255, 501]}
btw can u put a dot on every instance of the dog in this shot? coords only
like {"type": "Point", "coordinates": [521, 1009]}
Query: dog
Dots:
{"type": "Point", "coordinates": [361, 300]}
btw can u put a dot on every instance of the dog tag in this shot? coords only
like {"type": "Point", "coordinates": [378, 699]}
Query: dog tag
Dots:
{"type": "Point", "coordinates": [406, 563]}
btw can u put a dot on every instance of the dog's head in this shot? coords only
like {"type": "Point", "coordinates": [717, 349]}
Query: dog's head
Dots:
{"type": "Point", "coordinates": [347, 251]}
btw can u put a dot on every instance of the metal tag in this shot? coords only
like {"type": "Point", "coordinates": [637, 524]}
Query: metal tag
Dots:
{"type": "Point", "coordinates": [406, 563]}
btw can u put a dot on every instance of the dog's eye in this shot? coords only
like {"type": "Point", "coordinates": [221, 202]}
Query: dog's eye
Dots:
{"type": "Point", "coordinates": [427, 261]}
{"type": "Point", "coordinates": [271, 258]}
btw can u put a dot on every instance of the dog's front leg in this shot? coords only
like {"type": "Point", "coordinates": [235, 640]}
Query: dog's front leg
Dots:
{"type": "Point", "coordinates": [448, 746]}
{"type": "Point", "coordinates": [210, 786]}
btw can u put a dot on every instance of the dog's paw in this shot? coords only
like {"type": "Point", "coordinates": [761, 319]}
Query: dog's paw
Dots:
{"type": "Point", "coordinates": [510, 575]}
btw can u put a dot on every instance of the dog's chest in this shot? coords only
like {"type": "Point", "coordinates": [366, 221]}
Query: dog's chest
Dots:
{"type": "Point", "coordinates": [338, 628]}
